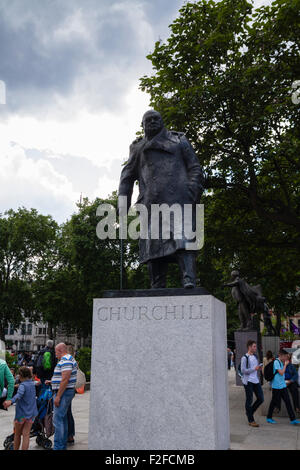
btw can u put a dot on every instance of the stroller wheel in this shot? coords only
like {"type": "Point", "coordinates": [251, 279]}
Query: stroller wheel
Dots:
{"type": "Point", "coordinates": [8, 442]}
{"type": "Point", "coordinates": [47, 444]}
{"type": "Point", "coordinates": [9, 446]}
{"type": "Point", "coordinates": [39, 441]}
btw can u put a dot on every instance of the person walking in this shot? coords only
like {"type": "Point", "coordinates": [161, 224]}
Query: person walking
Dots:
{"type": "Point", "coordinates": [26, 409]}
{"type": "Point", "coordinates": [45, 362]}
{"type": "Point", "coordinates": [291, 380]}
{"type": "Point", "coordinates": [234, 359]}
{"type": "Point", "coordinates": [20, 358]}
{"type": "Point", "coordinates": [267, 359]}
{"type": "Point", "coordinates": [7, 383]}
{"type": "Point", "coordinates": [63, 385]}
{"type": "Point", "coordinates": [279, 388]}
{"type": "Point", "coordinates": [71, 422]}
{"type": "Point", "coordinates": [249, 368]}
{"type": "Point", "coordinates": [229, 358]}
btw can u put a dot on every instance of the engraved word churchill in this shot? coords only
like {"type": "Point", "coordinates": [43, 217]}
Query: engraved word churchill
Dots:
{"type": "Point", "coordinates": [156, 312]}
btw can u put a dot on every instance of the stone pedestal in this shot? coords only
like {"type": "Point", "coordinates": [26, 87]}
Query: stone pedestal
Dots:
{"type": "Point", "coordinates": [159, 372]}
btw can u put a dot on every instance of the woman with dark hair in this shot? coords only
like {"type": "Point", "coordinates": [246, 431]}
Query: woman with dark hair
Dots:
{"type": "Point", "coordinates": [291, 380]}
{"type": "Point", "coordinates": [267, 359]}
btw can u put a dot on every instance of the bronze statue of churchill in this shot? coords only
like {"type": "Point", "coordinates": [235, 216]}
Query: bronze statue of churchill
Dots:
{"type": "Point", "coordinates": [168, 172]}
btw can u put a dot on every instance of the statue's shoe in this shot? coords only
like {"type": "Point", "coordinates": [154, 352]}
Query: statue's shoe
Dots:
{"type": "Point", "coordinates": [189, 285]}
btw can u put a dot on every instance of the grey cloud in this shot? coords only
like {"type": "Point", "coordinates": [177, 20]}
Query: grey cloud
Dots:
{"type": "Point", "coordinates": [102, 44]}
{"type": "Point", "coordinates": [27, 64]}
{"type": "Point", "coordinates": [83, 173]}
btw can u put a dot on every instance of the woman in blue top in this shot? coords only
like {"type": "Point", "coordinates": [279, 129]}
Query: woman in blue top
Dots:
{"type": "Point", "coordinates": [26, 409]}
{"type": "Point", "coordinates": [291, 380]}
{"type": "Point", "coordinates": [279, 388]}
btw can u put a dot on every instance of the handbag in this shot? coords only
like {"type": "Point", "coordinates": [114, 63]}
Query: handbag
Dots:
{"type": "Point", "coordinates": [80, 380]}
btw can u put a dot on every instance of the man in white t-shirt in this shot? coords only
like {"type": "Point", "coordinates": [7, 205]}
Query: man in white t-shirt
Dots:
{"type": "Point", "coordinates": [249, 368]}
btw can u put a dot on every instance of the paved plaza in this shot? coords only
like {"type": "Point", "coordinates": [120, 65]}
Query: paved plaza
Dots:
{"type": "Point", "coordinates": [282, 436]}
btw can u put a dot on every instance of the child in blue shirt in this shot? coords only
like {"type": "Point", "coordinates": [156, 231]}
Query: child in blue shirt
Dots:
{"type": "Point", "coordinates": [26, 409]}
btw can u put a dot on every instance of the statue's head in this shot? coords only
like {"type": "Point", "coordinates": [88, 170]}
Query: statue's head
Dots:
{"type": "Point", "coordinates": [235, 274]}
{"type": "Point", "coordinates": [152, 123]}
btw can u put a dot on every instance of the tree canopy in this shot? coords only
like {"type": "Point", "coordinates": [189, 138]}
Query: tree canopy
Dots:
{"type": "Point", "coordinates": [225, 76]}
{"type": "Point", "coordinates": [25, 239]}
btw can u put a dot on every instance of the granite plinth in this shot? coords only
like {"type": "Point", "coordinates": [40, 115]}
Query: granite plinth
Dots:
{"type": "Point", "coordinates": [159, 373]}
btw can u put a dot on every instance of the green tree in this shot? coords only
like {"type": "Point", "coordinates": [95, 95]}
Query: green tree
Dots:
{"type": "Point", "coordinates": [79, 269]}
{"type": "Point", "coordinates": [25, 237]}
{"type": "Point", "coordinates": [84, 358]}
{"type": "Point", "coordinates": [235, 238]}
{"type": "Point", "coordinates": [98, 260]}
{"type": "Point", "coordinates": [225, 76]}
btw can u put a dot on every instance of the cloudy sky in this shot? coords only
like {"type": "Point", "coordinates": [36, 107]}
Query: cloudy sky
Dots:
{"type": "Point", "coordinates": [71, 70]}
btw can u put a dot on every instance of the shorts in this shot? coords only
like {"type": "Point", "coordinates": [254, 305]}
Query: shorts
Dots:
{"type": "Point", "coordinates": [23, 420]}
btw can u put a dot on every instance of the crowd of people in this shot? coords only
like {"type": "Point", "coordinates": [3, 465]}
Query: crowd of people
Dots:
{"type": "Point", "coordinates": [283, 379]}
{"type": "Point", "coordinates": [51, 367]}
{"type": "Point", "coordinates": [57, 368]}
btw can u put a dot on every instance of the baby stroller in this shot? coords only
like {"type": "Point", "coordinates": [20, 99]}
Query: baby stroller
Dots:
{"type": "Point", "coordinates": [38, 429]}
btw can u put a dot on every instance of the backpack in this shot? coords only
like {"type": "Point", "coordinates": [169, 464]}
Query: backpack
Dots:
{"type": "Point", "coordinates": [268, 371]}
{"type": "Point", "coordinates": [44, 361]}
{"type": "Point", "coordinates": [239, 371]}
{"type": "Point", "coordinates": [47, 361]}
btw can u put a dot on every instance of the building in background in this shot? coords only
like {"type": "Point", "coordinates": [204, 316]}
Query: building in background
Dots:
{"type": "Point", "coordinates": [33, 337]}
{"type": "Point", "coordinates": [28, 337]}
{"type": "Point", "coordinates": [63, 336]}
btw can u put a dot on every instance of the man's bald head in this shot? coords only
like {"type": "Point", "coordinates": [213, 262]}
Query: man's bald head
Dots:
{"type": "Point", "coordinates": [60, 350]}
{"type": "Point", "coordinates": [152, 123]}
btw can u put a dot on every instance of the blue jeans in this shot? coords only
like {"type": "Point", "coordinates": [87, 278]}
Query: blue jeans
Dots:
{"type": "Point", "coordinates": [60, 420]}
{"type": "Point", "coordinates": [71, 423]}
{"type": "Point", "coordinates": [251, 388]}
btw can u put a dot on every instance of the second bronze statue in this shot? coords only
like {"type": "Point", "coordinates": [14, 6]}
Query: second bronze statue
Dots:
{"type": "Point", "coordinates": [250, 300]}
